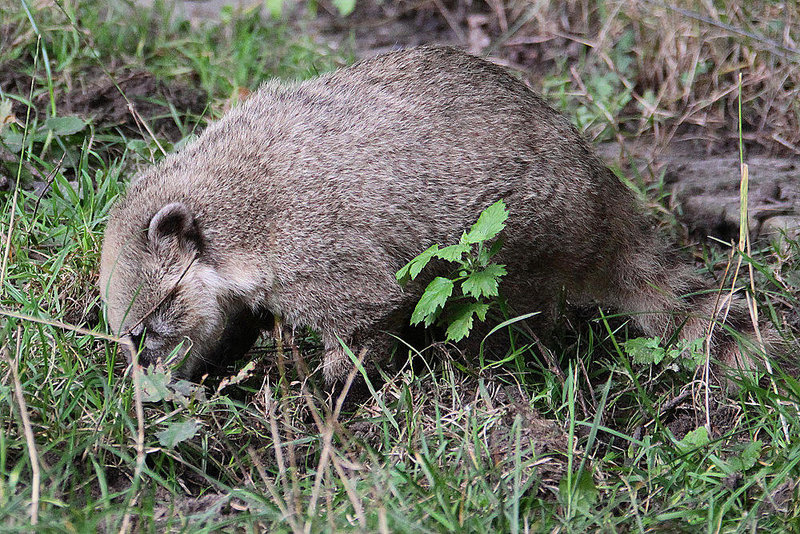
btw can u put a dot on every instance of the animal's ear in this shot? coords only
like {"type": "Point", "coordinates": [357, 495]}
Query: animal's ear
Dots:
{"type": "Point", "coordinates": [174, 221]}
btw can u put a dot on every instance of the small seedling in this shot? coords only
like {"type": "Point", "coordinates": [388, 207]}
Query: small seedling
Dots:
{"type": "Point", "coordinates": [478, 276]}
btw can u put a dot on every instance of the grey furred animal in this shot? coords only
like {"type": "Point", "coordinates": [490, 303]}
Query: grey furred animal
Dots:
{"type": "Point", "coordinates": [305, 200]}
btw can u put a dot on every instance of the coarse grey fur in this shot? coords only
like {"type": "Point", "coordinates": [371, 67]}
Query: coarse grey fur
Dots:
{"type": "Point", "coordinates": [304, 201]}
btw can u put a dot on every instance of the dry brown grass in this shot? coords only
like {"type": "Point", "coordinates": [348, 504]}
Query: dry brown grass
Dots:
{"type": "Point", "coordinates": [680, 59]}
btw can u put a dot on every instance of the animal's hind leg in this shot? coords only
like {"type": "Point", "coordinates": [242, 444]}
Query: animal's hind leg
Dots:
{"type": "Point", "coordinates": [664, 295]}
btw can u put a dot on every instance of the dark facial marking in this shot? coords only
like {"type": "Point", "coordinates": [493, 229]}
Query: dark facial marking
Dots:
{"type": "Point", "coordinates": [241, 332]}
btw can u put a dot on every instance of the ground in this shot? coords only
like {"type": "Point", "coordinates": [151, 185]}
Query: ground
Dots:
{"type": "Point", "coordinates": [583, 433]}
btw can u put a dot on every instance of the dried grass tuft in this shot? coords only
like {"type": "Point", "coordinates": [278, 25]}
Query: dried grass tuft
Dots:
{"type": "Point", "coordinates": [680, 60]}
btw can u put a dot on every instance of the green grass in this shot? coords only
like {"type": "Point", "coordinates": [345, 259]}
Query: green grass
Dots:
{"type": "Point", "coordinates": [464, 444]}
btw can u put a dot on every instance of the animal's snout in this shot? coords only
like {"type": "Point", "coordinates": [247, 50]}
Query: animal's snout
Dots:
{"type": "Point", "coordinates": [138, 351]}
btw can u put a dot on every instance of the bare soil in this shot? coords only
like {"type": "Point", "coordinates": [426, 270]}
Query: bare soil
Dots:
{"type": "Point", "coordinates": [707, 190]}
{"type": "Point", "coordinates": [127, 96]}
{"type": "Point", "coordinates": [120, 97]}
{"type": "Point", "coordinates": [705, 184]}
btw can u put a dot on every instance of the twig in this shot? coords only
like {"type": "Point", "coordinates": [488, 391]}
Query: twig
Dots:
{"type": "Point", "coordinates": [451, 21]}
{"type": "Point", "coordinates": [776, 48]}
{"type": "Point", "coordinates": [326, 429]}
{"type": "Point", "coordinates": [26, 426]}
{"type": "Point", "coordinates": [63, 326]}
{"type": "Point", "coordinates": [276, 444]}
{"type": "Point", "coordinates": [779, 139]}
{"type": "Point", "coordinates": [358, 508]}
{"type": "Point", "coordinates": [744, 242]}
{"type": "Point", "coordinates": [322, 466]}
{"type": "Point", "coordinates": [290, 452]}
{"type": "Point", "coordinates": [49, 181]}
{"type": "Point", "coordinates": [506, 36]}
{"type": "Point", "coordinates": [140, 456]}
{"type": "Point", "coordinates": [279, 502]}
{"type": "Point", "coordinates": [666, 407]}
{"type": "Point", "coordinates": [634, 506]}
{"type": "Point", "coordinates": [139, 119]}
{"type": "Point", "coordinates": [585, 374]}
{"type": "Point", "coordinates": [554, 367]}
{"type": "Point", "coordinates": [164, 298]}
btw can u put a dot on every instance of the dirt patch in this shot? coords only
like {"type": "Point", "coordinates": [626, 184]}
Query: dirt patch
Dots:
{"type": "Point", "coordinates": [122, 98]}
{"type": "Point", "coordinates": [509, 426]}
{"type": "Point", "coordinates": [382, 27]}
{"type": "Point", "coordinates": [14, 80]}
{"type": "Point", "coordinates": [208, 508]}
{"type": "Point", "coordinates": [705, 187]}
{"type": "Point", "coordinates": [707, 190]}
{"type": "Point", "coordinates": [547, 439]}
{"type": "Point", "coordinates": [687, 417]}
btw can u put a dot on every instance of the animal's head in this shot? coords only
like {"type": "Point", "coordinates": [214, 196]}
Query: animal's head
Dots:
{"type": "Point", "coordinates": [164, 294]}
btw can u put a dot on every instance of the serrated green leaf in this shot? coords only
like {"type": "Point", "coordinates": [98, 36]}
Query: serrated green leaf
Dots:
{"type": "Point", "coordinates": [748, 458]}
{"type": "Point", "coordinates": [154, 385]}
{"type": "Point", "coordinates": [432, 301]}
{"type": "Point", "coordinates": [411, 269]}
{"type": "Point", "coordinates": [183, 390]}
{"type": "Point", "coordinates": [65, 125]}
{"type": "Point", "coordinates": [645, 350]}
{"type": "Point", "coordinates": [345, 7]}
{"type": "Point", "coordinates": [459, 327]}
{"type": "Point", "coordinates": [495, 248]}
{"type": "Point", "coordinates": [453, 252]}
{"type": "Point", "coordinates": [693, 440]}
{"type": "Point", "coordinates": [481, 309]}
{"type": "Point", "coordinates": [484, 283]}
{"type": "Point", "coordinates": [691, 352]}
{"type": "Point", "coordinates": [489, 224]}
{"type": "Point", "coordinates": [11, 140]}
{"type": "Point", "coordinates": [485, 254]}
{"type": "Point", "coordinates": [177, 432]}
{"type": "Point", "coordinates": [462, 320]}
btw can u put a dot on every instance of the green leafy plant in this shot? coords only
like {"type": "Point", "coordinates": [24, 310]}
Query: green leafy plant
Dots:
{"type": "Point", "coordinates": [648, 351]}
{"type": "Point", "coordinates": [474, 271]}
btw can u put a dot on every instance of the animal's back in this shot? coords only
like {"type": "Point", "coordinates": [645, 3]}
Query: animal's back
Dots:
{"type": "Point", "coordinates": [407, 149]}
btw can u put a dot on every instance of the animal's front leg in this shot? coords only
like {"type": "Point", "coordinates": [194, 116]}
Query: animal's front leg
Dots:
{"type": "Point", "coordinates": [337, 363]}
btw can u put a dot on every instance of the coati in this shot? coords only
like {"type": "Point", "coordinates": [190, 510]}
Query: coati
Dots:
{"type": "Point", "coordinates": [304, 201]}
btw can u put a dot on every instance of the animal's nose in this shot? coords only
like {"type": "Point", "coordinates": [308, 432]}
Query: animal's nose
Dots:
{"type": "Point", "coordinates": [147, 358]}
{"type": "Point", "coordinates": [137, 340]}
{"type": "Point", "coordinates": [136, 348]}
